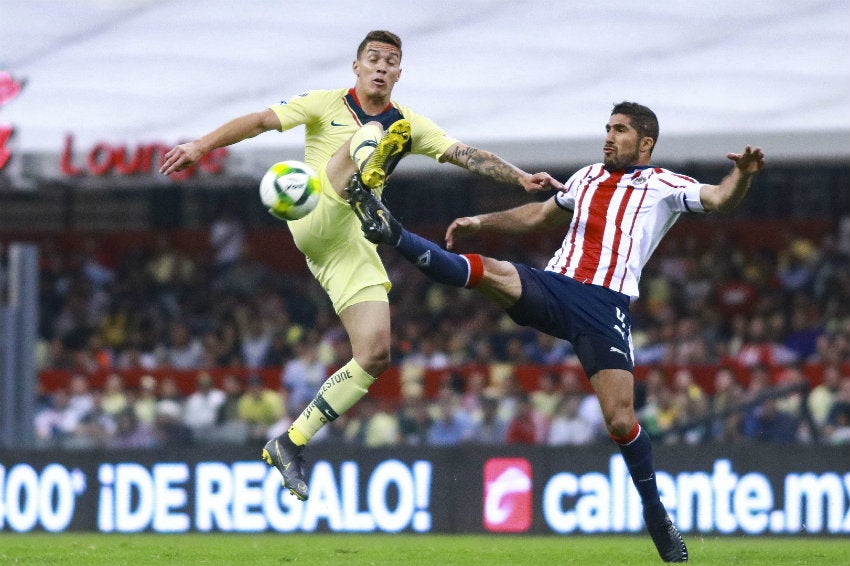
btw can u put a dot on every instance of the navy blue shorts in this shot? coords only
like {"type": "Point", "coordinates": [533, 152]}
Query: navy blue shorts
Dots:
{"type": "Point", "coordinates": [593, 318]}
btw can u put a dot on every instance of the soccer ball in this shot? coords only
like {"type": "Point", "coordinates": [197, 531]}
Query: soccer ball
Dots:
{"type": "Point", "coordinates": [290, 190]}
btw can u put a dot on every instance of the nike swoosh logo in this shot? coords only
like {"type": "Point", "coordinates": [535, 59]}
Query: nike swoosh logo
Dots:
{"type": "Point", "coordinates": [280, 457]}
{"type": "Point", "coordinates": [334, 123]}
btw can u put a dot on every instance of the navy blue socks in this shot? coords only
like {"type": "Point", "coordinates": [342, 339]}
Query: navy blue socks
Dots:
{"type": "Point", "coordinates": [438, 264]}
{"type": "Point", "coordinates": [638, 457]}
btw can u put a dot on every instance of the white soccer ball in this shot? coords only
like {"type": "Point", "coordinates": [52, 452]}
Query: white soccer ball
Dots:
{"type": "Point", "coordinates": [290, 190]}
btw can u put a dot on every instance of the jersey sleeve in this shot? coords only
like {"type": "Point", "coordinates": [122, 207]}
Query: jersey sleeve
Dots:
{"type": "Point", "coordinates": [682, 191]}
{"type": "Point", "coordinates": [427, 137]}
{"type": "Point", "coordinates": [300, 109]}
{"type": "Point", "coordinates": [566, 199]}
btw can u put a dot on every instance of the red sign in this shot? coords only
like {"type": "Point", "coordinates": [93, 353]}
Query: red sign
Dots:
{"type": "Point", "coordinates": [507, 495]}
{"type": "Point", "coordinates": [5, 133]}
{"type": "Point", "coordinates": [145, 159]}
{"type": "Point", "coordinates": [9, 89]}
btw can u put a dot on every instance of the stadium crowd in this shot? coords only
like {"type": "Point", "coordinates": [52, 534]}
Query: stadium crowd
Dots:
{"type": "Point", "coordinates": [758, 317]}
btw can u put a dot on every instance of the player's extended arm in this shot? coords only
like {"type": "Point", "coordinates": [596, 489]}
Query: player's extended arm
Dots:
{"type": "Point", "coordinates": [733, 188]}
{"type": "Point", "coordinates": [529, 217]}
{"type": "Point", "coordinates": [187, 154]}
{"type": "Point", "coordinates": [487, 164]}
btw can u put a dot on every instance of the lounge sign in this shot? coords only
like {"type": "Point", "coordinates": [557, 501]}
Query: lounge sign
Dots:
{"type": "Point", "coordinates": [123, 160]}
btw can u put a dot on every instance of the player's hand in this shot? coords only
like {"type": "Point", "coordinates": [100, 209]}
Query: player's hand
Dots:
{"type": "Point", "coordinates": [180, 157]}
{"type": "Point", "coordinates": [750, 162]}
{"type": "Point", "coordinates": [541, 182]}
{"type": "Point", "coordinates": [461, 227]}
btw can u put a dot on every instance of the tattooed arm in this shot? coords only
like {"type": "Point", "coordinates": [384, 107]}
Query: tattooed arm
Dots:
{"type": "Point", "coordinates": [486, 164]}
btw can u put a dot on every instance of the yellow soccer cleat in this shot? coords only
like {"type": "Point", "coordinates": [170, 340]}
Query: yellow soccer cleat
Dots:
{"type": "Point", "coordinates": [374, 171]}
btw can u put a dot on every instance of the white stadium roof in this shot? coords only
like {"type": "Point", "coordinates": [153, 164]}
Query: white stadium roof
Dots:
{"type": "Point", "coordinates": [531, 80]}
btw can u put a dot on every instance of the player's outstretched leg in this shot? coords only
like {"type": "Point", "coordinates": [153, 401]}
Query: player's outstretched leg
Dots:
{"type": "Point", "coordinates": [379, 226]}
{"type": "Point", "coordinates": [374, 171]}
{"type": "Point", "coordinates": [286, 456]}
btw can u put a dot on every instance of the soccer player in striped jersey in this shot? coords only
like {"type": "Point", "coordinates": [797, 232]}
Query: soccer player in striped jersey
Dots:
{"type": "Point", "coordinates": [349, 130]}
{"type": "Point", "coordinates": [616, 212]}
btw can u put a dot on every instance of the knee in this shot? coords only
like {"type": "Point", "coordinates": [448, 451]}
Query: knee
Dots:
{"type": "Point", "coordinates": [620, 422]}
{"type": "Point", "coordinates": [374, 360]}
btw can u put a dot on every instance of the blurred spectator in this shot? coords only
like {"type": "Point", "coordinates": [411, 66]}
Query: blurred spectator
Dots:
{"type": "Point", "coordinates": [760, 349]}
{"type": "Point", "coordinates": [228, 347]}
{"type": "Point", "coordinates": [260, 407]}
{"type": "Point", "coordinates": [169, 429]}
{"type": "Point", "coordinates": [548, 350]}
{"type": "Point", "coordinates": [256, 340]}
{"type": "Point", "coordinates": [130, 432]}
{"type": "Point", "coordinates": [805, 329]}
{"type": "Point", "coordinates": [792, 379]}
{"type": "Point", "coordinates": [372, 426]}
{"type": "Point", "coordinates": [450, 425]}
{"type": "Point", "coordinates": [546, 396]}
{"type": "Point", "coordinates": [773, 425]}
{"type": "Point", "coordinates": [757, 389]}
{"type": "Point", "coordinates": [414, 420]}
{"type": "Point", "coordinates": [227, 238]}
{"type": "Point", "coordinates": [145, 403]}
{"type": "Point", "coordinates": [734, 295]}
{"type": "Point", "coordinates": [170, 401]}
{"type": "Point", "coordinates": [202, 407]}
{"type": "Point", "coordinates": [572, 383]}
{"type": "Point", "coordinates": [837, 427]}
{"type": "Point", "coordinates": [796, 265]}
{"type": "Point", "coordinates": [822, 396]}
{"type": "Point", "coordinates": [488, 427]}
{"type": "Point", "coordinates": [115, 398]}
{"type": "Point", "coordinates": [427, 354]}
{"type": "Point", "coordinates": [95, 265]}
{"type": "Point", "coordinates": [171, 272]}
{"type": "Point", "coordinates": [233, 391]}
{"type": "Point", "coordinates": [303, 375]}
{"type": "Point", "coordinates": [474, 393]}
{"type": "Point", "coordinates": [230, 428]}
{"type": "Point", "coordinates": [526, 426]}
{"type": "Point", "coordinates": [184, 351]}
{"type": "Point", "coordinates": [667, 414]}
{"type": "Point", "coordinates": [567, 426]}
{"type": "Point", "coordinates": [94, 429]}
{"type": "Point", "coordinates": [51, 422]}
{"type": "Point", "coordinates": [692, 406]}
{"type": "Point", "coordinates": [81, 401]}
{"type": "Point", "coordinates": [728, 394]}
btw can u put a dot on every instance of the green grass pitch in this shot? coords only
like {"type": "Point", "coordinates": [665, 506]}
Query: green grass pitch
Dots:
{"type": "Point", "coordinates": [403, 549]}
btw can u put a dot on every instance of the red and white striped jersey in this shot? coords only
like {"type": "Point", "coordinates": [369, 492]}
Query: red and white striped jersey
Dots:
{"type": "Point", "coordinates": [618, 220]}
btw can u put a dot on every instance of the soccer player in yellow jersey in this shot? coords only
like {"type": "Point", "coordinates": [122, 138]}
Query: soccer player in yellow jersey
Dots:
{"type": "Point", "coordinates": [350, 132]}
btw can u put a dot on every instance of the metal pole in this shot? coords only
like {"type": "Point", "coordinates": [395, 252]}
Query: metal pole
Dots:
{"type": "Point", "coordinates": [23, 302]}
{"type": "Point", "coordinates": [8, 347]}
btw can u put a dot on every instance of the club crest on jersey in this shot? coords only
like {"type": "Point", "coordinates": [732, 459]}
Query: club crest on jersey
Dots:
{"type": "Point", "coordinates": [640, 180]}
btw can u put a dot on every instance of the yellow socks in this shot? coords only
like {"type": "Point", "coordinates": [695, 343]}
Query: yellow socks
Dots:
{"type": "Point", "coordinates": [336, 395]}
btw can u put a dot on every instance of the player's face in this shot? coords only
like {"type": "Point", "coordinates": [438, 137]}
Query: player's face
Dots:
{"type": "Point", "coordinates": [622, 144]}
{"type": "Point", "coordinates": [378, 69]}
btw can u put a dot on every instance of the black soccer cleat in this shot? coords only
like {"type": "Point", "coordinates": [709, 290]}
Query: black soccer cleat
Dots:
{"type": "Point", "coordinates": [284, 455]}
{"type": "Point", "coordinates": [377, 223]}
{"type": "Point", "coordinates": [671, 547]}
